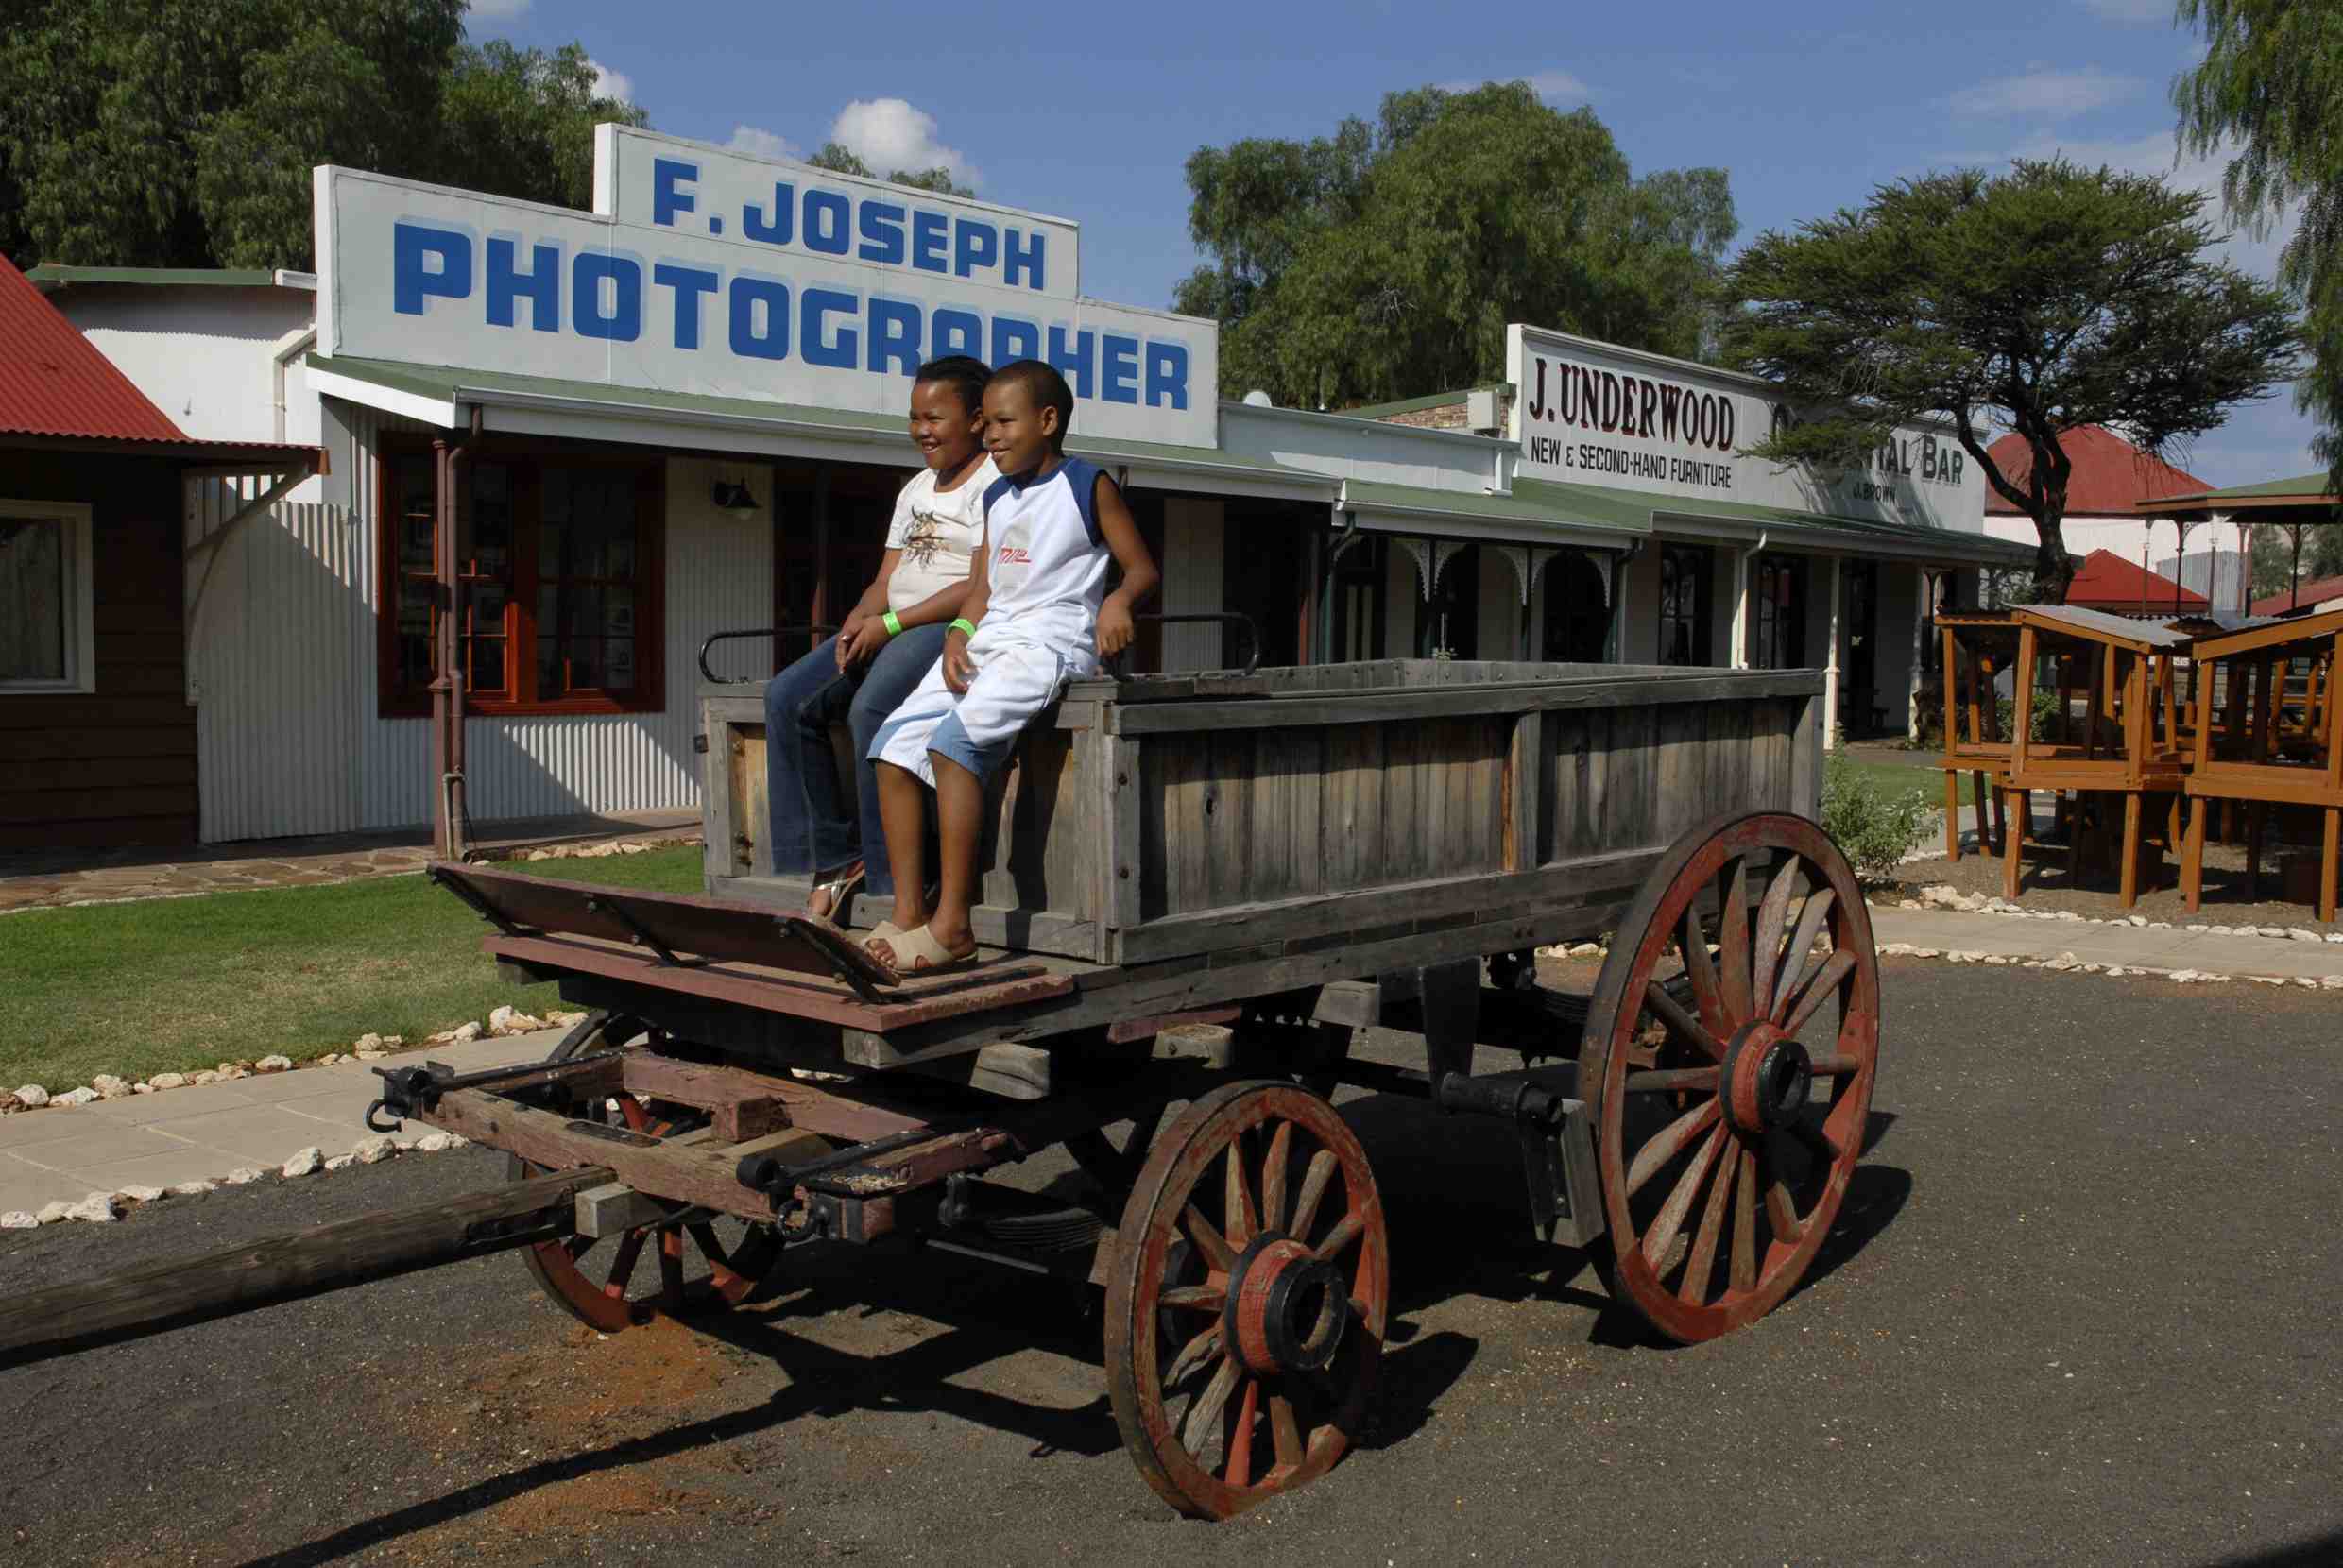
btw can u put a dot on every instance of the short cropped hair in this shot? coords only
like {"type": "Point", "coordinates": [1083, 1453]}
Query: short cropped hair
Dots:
{"type": "Point", "coordinates": [964, 374]}
{"type": "Point", "coordinates": [1045, 386]}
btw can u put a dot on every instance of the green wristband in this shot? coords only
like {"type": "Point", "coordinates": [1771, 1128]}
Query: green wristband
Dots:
{"type": "Point", "coordinates": [964, 624]}
{"type": "Point", "coordinates": [895, 627]}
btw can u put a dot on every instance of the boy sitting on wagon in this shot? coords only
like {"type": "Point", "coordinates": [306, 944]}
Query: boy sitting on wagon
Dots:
{"type": "Point", "coordinates": [1037, 615]}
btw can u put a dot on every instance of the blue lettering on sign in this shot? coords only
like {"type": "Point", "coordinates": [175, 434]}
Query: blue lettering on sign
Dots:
{"type": "Point", "coordinates": [929, 232]}
{"type": "Point", "coordinates": [622, 321]}
{"type": "Point", "coordinates": [1166, 374]}
{"type": "Point", "coordinates": [841, 349]}
{"type": "Point", "coordinates": [1075, 360]}
{"type": "Point", "coordinates": [894, 334]}
{"type": "Point", "coordinates": [759, 317]}
{"type": "Point", "coordinates": [974, 244]}
{"type": "Point", "coordinates": [826, 221]}
{"type": "Point", "coordinates": [541, 286]}
{"type": "Point", "coordinates": [882, 234]}
{"type": "Point", "coordinates": [783, 222]}
{"type": "Point", "coordinates": [1025, 253]}
{"type": "Point", "coordinates": [1120, 383]}
{"type": "Point", "coordinates": [412, 280]}
{"type": "Point", "coordinates": [1014, 340]}
{"type": "Point", "coordinates": [690, 284]}
{"type": "Point", "coordinates": [958, 333]}
{"type": "Point", "coordinates": [668, 175]}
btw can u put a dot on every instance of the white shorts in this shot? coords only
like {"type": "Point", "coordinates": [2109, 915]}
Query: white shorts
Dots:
{"type": "Point", "coordinates": [975, 729]}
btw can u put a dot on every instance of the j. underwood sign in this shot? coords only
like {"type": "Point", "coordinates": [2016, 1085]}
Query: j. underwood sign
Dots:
{"type": "Point", "coordinates": [1591, 413]}
{"type": "Point", "coordinates": [772, 309]}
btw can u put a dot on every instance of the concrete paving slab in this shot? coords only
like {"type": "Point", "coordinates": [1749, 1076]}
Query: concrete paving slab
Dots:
{"type": "Point", "coordinates": [30, 1188]}
{"type": "Point", "coordinates": [260, 1134]}
{"type": "Point", "coordinates": [187, 1163]}
{"type": "Point", "coordinates": [27, 1128]}
{"type": "Point", "coordinates": [2141, 945]}
{"type": "Point", "coordinates": [272, 1088]}
{"type": "Point", "coordinates": [94, 1143]}
{"type": "Point", "coordinates": [342, 1107]}
{"type": "Point", "coordinates": [162, 1105]}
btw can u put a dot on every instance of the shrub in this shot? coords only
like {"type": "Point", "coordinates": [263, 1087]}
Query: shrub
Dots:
{"type": "Point", "coordinates": [1875, 827]}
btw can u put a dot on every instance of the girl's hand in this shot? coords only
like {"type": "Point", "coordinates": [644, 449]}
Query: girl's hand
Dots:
{"type": "Point", "coordinates": [861, 641]}
{"type": "Point", "coordinates": [959, 668]}
{"type": "Point", "coordinates": [1114, 630]}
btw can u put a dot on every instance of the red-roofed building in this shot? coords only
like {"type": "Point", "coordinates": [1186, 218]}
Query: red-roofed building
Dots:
{"type": "Point", "coordinates": [97, 739]}
{"type": "Point", "coordinates": [2107, 582]}
{"type": "Point", "coordinates": [2109, 480]}
{"type": "Point", "coordinates": [2317, 593]}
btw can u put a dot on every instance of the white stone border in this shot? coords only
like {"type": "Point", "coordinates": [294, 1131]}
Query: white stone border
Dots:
{"type": "Point", "coordinates": [106, 1207]}
{"type": "Point", "coordinates": [1951, 900]}
{"type": "Point", "coordinates": [2067, 962]}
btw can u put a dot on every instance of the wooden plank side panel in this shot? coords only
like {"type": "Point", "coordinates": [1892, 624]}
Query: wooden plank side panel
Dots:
{"type": "Point", "coordinates": [1630, 806]}
{"type": "Point", "coordinates": [1404, 852]}
{"type": "Point", "coordinates": [1350, 811]}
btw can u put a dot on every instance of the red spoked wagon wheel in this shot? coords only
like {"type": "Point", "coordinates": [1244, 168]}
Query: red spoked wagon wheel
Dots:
{"type": "Point", "coordinates": [611, 1282]}
{"type": "Point", "coordinates": [1722, 1165]}
{"type": "Point", "coordinates": [1246, 1305]}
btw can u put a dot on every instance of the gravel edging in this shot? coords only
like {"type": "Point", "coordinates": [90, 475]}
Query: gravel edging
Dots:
{"type": "Point", "coordinates": [106, 1207]}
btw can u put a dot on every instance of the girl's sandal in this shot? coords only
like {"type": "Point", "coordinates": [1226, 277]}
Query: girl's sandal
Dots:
{"type": "Point", "coordinates": [918, 952]}
{"type": "Point", "coordinates": [833, 894]}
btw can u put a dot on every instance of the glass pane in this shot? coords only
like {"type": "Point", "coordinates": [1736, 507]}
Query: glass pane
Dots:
{"type": "Point", "coordinates": [547, 667]}
{"type": "Point", "coordinates": [413, 503]}
{"type": "Point", "coordinates": [618, 611]}
{"type": "Point", "coordinates": [585, 662]}
{"type": "Point", "coordinates": [582, 610]}
{"type": "Point", "coordinates": [32, 599]}
{"type": "Point", "coordinates": [489, 520]}
{"type": "Point", "coordinates": [617, 663]}
{"type": "Point", "coordinates": [485, 664]}
{"type": "Point", "coordinates": [412, 661]}
{"type": "Point", "coordinates": [487, 607]}
{"type": "Point", "coordinates": [552, 538]}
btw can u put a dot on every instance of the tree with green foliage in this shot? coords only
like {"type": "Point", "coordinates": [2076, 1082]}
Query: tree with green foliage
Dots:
{"type": "Point", "coordinates": [2287, 553]}
{"type": "Point", "coordinates": [839, 158]}
{"type": "Point", "coordinates": [182, 132]}
{"type": "Point", "coordinates": [1386, 259]}
{"type": "Point", "coordinates": [2042, 300]}
{"type": "Point", "coordinates": [2269, 91]}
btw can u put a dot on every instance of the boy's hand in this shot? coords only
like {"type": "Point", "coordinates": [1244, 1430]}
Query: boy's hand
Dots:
{"type": "Point", "coordinates": [959, 668]}
{"type": "Point", "coordinates": [1114, 630]}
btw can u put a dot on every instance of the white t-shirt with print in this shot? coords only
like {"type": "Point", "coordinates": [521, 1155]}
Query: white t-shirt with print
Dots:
{"type": "Point", "coordinates": [938, 534]}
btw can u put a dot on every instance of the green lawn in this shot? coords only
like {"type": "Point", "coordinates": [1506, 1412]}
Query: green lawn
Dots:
{"type": "Point", "coordinates": [1921, 773]}
{"type": "Point", "coordinates": [176, 984]}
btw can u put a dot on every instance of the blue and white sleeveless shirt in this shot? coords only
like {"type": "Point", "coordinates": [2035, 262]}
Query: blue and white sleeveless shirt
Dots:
{"type": "Point", "coordinates": [1048, 566]}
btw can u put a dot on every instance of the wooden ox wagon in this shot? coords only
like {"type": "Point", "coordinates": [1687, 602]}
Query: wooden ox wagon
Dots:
{"type": "Point", "coordinates": [1290, 854]}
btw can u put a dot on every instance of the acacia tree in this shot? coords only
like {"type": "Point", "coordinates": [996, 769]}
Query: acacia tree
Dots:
{"type": "Point", "coordinates": [840, 159]}
{"type": "Point", "coordinates": [182, 132]}
{"type": "Point", "coordinates": [2270, 86]}
{"type": "Point", "coordinates": [2043, 300]}
{"type": "Point", "coordinates": [1386, 259]}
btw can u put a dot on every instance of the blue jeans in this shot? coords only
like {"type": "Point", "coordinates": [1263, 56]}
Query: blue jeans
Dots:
{"type": "Point", "coordinates": [814, 828]}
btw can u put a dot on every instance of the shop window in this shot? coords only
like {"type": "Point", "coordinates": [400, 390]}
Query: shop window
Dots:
{"type": "Point", "coordinates": [1684, 603]}
{"type": "Point", "coordinates": [46, 634]}
{"type": "Point", "coordinates": [1778, 625]}
{"type": "Point", "coordinates": [1452, 627]}
{"type": "Point", "coordinates": [1578, 611]}
{"type": "Point", "coordinates": [558, 593]}
{"type": "Point", "coordinates": [1356, 617]}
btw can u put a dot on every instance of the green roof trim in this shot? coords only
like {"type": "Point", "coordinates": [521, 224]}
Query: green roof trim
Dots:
{"type": "Point", "coordinates": [1412, 406]}
{"type": "Point", "coordinates": [1519, 508]}
{"type": "Point", "coordinates": [1622, 510]}
{"type": "Point", "coordinates": [1821, 529]}
{"type": "Point", "coordinates": [59, 275]}
{"type": "Point", "coordinates": [2302, 485]}
{"type": "Point", "coordinates": [442, 384]}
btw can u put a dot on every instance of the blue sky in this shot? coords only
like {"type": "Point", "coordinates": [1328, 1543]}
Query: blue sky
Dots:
{"type": "Point", "coordinates": [1090, 112]}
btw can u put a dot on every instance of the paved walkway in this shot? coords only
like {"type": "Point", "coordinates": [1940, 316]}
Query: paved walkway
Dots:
{"type": "Point", "coordinates": [2141, 946]}
{"type": "Point", "coordinates": [205, 1132]}
{"type": "Point", "coordinates": [50, 878]}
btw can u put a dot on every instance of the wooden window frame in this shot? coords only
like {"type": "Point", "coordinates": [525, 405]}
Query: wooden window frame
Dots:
{"type": "Point", "coordinates": [1771, 614]}
{"type": "Point", "coordinates": [78, 609]}
{"type": "Point", "coordinates": [1702, 560]}
{"type": "Point", "coordinates": [519, 696]}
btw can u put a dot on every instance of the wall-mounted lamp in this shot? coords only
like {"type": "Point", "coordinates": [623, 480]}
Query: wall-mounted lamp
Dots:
{"type": "Point", "coordinates": [732, 496]}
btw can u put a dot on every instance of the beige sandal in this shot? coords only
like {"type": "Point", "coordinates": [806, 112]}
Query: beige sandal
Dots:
{"type": "Point", "coordinates": [918, 952]}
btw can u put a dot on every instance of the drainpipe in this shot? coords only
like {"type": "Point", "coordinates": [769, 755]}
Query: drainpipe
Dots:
{"type": "Point", "coordinates": [1322, 636]}
{"type": "Point", "coordinates": [447, 688]}
{"type": "Point", "coordinates": [296, 342]}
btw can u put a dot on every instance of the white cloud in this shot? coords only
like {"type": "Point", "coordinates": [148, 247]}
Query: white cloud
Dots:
{"type": "Point", "coordinates": [1555, 86]}
{"type": "Point", "coordinates": [890, 134]}
{"type": "Point", "coordinates": [498, 10]}
{"type": "Point", "coordinates": [609, 84]}
{"type": "Point", "coordinates": [2043, 92]}
{"type": "Point", "coordinates": [2130, 10]}
{"type": "Point", "coordinates": [763, 144]}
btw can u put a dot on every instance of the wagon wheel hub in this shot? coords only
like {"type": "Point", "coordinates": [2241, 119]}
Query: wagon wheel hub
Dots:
{"type": "Point", "coordinates": [1768, 1078]}
{"type": "Point", "coordinates": [1287, 1307]}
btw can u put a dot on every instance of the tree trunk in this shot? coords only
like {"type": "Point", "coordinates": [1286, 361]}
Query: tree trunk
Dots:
{"type": "Point", "coordinates": [2053, 570]}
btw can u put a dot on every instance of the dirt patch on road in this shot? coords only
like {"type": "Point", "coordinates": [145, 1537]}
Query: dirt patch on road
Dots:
{"type": "Point", "coordinates": [2047, 887]}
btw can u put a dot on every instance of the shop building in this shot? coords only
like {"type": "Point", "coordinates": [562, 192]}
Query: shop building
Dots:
{"type": "Point", "coordinates": [2114, 491]}
{"type": "Point", "coordinates": [681, 415]}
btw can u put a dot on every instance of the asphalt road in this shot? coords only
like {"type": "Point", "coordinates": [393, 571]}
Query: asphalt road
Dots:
{"type": "Point", "coordinates": [2081, 1308]}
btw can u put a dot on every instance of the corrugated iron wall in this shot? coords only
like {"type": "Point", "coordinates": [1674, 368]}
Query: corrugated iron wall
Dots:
{"type": "Point", "coordinates": [284, 676]}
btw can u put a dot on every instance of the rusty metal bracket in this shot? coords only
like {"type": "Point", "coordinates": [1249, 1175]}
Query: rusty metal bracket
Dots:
{"type": "Point", "coordinates": [480, 904]}
{"type": "Point", "coordinates": [616, 910]}
{"type": "Point", "coordinates": [413, 1091]}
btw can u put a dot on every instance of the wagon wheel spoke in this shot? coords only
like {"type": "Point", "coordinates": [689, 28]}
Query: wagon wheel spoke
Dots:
{"type": "Point", "coordinates": [1346, 1231]}
{"type": "Point", "coordinates": [1745, 1224]}
{"type": "Point", "coordinates": [1794, 957]}
{"type": "Point", "coordinates": [623, 1265]}
{"type": "Point", "coordinates": [1782, 1212]}
{"type": "Point", "coordinates": [1239, 1441]}
{"type": "Point", "coordinates": [1239, 1211]}
{"type": "Point", "coordinates": [1669, 1142]}
{"type": "Point", "coordinates": [1681, 1023]}
{"type": "Point", "coordinates": [671, 1271]}
{"type": "Point", "coordinates": [1274, 1177]}
{"type": "Point", "coordinates": [1732, 941]}
{"type": "Point", "coordinates": [1208, 1237]}
{"type": "Point", "coordinates": [1285, 1430]}
{"type": "Point", "coordinates": [1702, 1265]}
{"type": "Point", "coordinates": [1661, 1236]}
{"type": "Point", "coordinates": [1193, 1356]}
{"type": "Point", "coordinates": [1198, 1298]}
{"type": "Point", "coordinates": [1673, 1081]}
{"type": "Point", "coordinates": [1314, 1180]}
{"type": "Point", "coordinates": [1701, 969]}
{"type": "Point", "coordinates": [1817, 989]}
{"type": "Point", "coordinates": [1207, 1409]}
{"type": "Point", "coordinates": [1772, 914]}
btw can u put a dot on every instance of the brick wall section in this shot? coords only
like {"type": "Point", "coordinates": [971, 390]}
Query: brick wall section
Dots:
{"type": "Point", "coordinates": [116, 766]}
{"type": "Point", "coordinates": [1447, 416]}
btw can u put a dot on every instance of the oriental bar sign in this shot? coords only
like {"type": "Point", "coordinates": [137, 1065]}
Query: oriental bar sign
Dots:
{"type": "Point", "coordinates": [1588, 412]}
{"type": "Point", "coordinates": [711, 273]}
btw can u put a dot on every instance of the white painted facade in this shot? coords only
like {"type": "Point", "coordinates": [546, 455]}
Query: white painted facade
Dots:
{"type": "Point", "coordinates": [2207, 559]}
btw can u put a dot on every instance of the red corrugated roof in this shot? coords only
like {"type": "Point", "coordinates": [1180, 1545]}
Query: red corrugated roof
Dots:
{"type": "Point", "coordinates": [2107, 581]}
{"type": "Point", "coordinates": [2109, 475]}
{"type": "Point", "coordinates": [2312, 590]}
{"type": "Point", "coordinates": [54, 382]}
